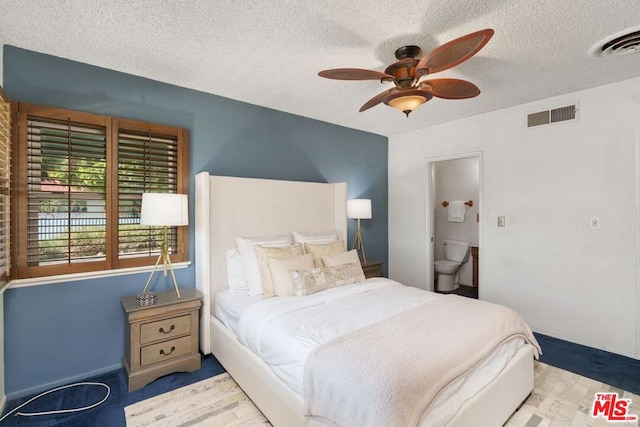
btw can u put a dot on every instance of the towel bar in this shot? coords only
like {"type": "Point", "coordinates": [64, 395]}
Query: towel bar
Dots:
{"type": "Point", "coordinates": [469, 203]}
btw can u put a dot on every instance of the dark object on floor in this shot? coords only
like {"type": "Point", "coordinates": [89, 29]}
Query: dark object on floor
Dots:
{"type": "Point", "coordinates": [465, 291]}
{"type": "Point", "coordinates": [111, 412]}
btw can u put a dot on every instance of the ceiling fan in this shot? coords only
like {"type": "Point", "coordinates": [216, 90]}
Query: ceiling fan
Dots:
{"type": "Point", "coordinates": [409, 91]}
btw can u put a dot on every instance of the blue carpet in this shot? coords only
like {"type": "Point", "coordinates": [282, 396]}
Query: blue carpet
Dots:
{"type": "Point", "coordinates": [111, 412]}
{"type": "Point", "coordinates": [619, 371]}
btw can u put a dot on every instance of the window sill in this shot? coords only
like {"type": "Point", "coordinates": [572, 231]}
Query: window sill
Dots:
{"type": "Point", "coordinates": [48, 280]}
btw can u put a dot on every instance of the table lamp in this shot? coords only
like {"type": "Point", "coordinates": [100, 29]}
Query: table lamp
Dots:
{"type": "Point", "coordinates": [359, 209]}
{"type": "Point", "coordinates": [164, 210]}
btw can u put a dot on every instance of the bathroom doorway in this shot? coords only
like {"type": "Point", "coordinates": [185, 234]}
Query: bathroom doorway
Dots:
{"type": "Point", "coordinates": [455, 181]}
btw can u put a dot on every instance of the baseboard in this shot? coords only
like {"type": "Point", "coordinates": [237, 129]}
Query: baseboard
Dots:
{"type": "Point", "coordinates": [584, 343]}
{"type": "Point", "coordinates": [64, 381]}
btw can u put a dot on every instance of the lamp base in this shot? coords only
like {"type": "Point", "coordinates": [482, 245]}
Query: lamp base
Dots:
{"type": "Point", "coordinates": [357, 243]}
{"type": "Point", "coordinates": [166, 259]}
{"type": "Point", "coordinates": [146, 298]}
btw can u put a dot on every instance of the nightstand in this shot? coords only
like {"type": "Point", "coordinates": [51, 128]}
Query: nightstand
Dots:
{"type": "Point", "coordinates": [161, 338]}
{"type": "Point", "coordinates": [372, 269]}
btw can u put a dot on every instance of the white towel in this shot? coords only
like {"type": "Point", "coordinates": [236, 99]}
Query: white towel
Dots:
{"type": "Point", "coordinates": [457, 210]}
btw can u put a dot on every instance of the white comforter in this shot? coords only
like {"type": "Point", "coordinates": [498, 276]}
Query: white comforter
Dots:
{"type": "Point", "coordinates": [283, 331]}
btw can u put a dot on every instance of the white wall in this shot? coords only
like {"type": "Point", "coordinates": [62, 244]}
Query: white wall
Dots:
{"type": "Point", "coordinates": [456, 180]}
{"type": "Point", "coordinates": [567, 280]}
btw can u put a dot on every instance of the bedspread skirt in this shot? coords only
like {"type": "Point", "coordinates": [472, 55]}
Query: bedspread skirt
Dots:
{"type": "Point", "coordinates": [388, 373]}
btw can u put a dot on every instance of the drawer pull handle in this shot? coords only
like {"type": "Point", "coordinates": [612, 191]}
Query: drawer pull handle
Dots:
{"type": "Point", "coordinates": [166, 354]}
{"type": "Point", "coordinates": [161, 330]}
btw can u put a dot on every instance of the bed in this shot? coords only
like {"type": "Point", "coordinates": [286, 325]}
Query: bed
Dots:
{"type": "Point", "coordinates": [227, 207]}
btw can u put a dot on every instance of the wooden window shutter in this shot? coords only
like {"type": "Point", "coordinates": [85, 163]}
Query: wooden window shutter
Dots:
{"type": "Point", "coordinates": [77, 184]}
{"type": "Point", "coordinates": [151, 159]}
{"type": "Point", "coordinates": [63, 221]}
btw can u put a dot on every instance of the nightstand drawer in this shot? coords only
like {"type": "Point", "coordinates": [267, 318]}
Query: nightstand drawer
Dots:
{"type": "Point", "coordinates": [165, 329]}
{"type": "Point", "coordinates": [165, 351]}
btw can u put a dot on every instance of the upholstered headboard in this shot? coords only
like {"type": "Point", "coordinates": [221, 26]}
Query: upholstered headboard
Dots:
{"type": "Point", "coordinates": [227, 207]}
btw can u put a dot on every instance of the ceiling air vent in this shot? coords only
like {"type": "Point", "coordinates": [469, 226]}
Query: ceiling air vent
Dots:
{"type": "Point", "coordinates": [552, 116]}
{"type": "Point", "coordinates": [623, 43]}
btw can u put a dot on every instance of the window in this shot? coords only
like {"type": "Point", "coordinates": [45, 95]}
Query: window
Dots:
{"type": "Point", "coordinates": [5, 168]}
{"type": "Point", "coordinates": [79, 179]}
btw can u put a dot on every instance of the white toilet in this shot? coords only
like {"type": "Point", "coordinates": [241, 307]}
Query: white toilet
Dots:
{"type": "Point", "coordinates": [456, 253]}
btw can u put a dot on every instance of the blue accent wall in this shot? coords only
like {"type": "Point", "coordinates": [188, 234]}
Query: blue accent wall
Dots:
{"type": "Point", "coordinates": [62, 332]}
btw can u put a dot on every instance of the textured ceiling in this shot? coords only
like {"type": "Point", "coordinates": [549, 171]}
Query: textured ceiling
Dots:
{"type": "Point", "coordinates": [268, 53]}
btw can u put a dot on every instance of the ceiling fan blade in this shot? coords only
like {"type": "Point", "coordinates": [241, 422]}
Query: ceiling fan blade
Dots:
{"type": "Point", "coordinates": [450, 88]}
{"type": "Point", "coordinates": [354, 74]}
{"type": "Point", "coordinates": [377, 99]}
{"type": "Point", "coordinates": [453, 53]}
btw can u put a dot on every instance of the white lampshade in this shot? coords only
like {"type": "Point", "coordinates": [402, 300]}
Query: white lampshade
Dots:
{"type": "Point", "coordinates": [165, 209]}
{"type": "Point", "coordinates": [359, 208]}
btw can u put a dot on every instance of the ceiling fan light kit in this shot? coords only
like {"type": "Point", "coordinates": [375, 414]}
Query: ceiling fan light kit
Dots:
{"type": "Point", "coordinates": [407, 100]}
{"type": "Point", "coordinates": [410, 92]}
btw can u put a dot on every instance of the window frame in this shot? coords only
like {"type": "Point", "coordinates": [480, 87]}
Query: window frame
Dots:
{"type": "Point", "coordinates": [5, 182]}
{"type": "Point", "coordinates": [19, 186]}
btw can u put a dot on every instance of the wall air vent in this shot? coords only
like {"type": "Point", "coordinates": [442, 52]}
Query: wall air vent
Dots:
{"type": "Point", "coordinates": [537, 119]}
{"type": "Point", "coordinates": [552, 116]}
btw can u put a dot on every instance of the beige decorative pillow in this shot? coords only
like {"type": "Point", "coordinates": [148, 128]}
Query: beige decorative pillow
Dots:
{"type": "Point", "coordinates": [321, 249]}
{"type": "Point", "coordinates": [280, 268]}
{"type": "Point", "coordinates": [246, 247]}
{"type": "Point", "coordinates": [307, 282]}
{"type": "Point", "coordinates": [341, 258]}
{"type": "Point", "coordinates": [263, 253]}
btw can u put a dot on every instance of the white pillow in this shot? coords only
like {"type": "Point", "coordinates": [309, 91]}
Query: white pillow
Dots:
{"type": "Point", "coordinates": [246, 247]}
{"type": "Point", "coordinates": [341, 258]}
{"type": "Point", "coordinates": [235, 273]}
{"type": "Point", "coordinates": [264, 253]}
{"type": "Point", "coordinates": [302, 238]}
{"type": "Point", "coordinates": [320, 249]}
{"type": "Point", "coordinates": [280, 268]}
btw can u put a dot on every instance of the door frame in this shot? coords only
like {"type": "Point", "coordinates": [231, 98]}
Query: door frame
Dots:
{"type": "Point", "coordinates": [432, 204]}
{"type": "Point", "coordinates": [637, 236]}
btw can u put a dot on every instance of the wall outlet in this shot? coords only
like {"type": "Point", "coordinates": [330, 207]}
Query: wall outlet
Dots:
{"type": "Point", "coordinates": [501, 221]}
{"type": "Point", "coordinates": [595, 223]}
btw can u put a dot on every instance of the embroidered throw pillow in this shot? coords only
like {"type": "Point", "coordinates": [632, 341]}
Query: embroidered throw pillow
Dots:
{"type": "Point", "coordinates": [307, 282]}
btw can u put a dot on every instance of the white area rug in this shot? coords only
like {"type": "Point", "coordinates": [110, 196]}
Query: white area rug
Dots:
{"type": "Point", "coordinates": [562, 398]}
{"type": "Point", "coordinates": [216, 401]}
{"type": "Point", "coordinates": [559, 398]}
